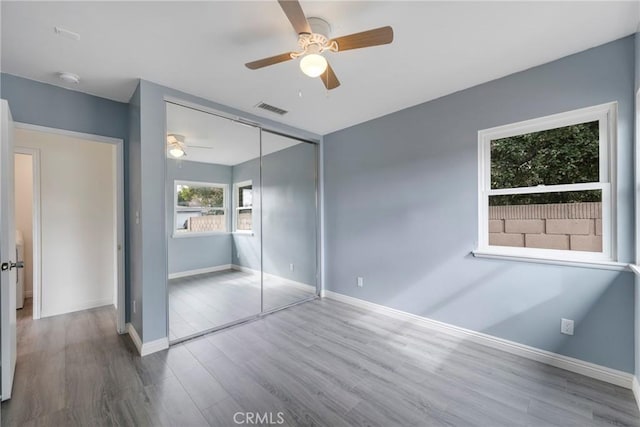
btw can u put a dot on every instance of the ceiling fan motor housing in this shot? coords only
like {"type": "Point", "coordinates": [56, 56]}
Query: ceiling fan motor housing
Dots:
{"type": "Point", "coordinates": [317, 41]}
{"type": "Point", "coordinates": [319, 26]}
{"type": "Point", "coordinates": [312, 43]}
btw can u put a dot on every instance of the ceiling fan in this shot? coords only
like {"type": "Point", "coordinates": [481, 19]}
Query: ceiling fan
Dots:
{"type": "Point", "coordinates": [176, 145]}
{"type": "Point", "coordinates": [313, 40]}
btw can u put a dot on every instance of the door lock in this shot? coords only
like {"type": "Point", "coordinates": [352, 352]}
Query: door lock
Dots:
{"type": "Point", "coordinates": [11, 265]}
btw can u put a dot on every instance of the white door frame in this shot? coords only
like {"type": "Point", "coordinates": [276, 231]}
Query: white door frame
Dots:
{"type": "Point", "coordinates": [119, 206]}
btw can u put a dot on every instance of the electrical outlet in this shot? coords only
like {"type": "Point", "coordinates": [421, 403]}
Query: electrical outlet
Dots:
{"type": "Point", "coordinates": [360, 282]}
{"type": "Point", "coordinates": [137, 217]}
{"type": "Point", "coordinates": [566, 326]}
{"type": "Point", "coordinates": [133, 306]}
{"type": "Point", "coordinates": [290, 267]}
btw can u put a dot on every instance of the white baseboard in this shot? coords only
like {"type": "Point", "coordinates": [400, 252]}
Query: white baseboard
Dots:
{"type": "Point", "coordinates": [147, 348]}
{"type": "Point", "coordinates": [200, 271]}
{"type": "Point", "coordinates": [293, 283]}
{"type": "Point", "coordinates": [602, 373]}
{"type": "Point", "coordinates": [28, 294]}
{"type": "Point", "coordinates": [154, 346]}
{"type": "Point", "coordinates": [635, 387]}
{"type": "Point", "coordinates": [134, 337]}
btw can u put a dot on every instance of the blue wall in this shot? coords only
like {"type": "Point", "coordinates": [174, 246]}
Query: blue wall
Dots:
{"type": "Point", "coordinates": [196, 252]}
{"type": "Point", "coordinates": [52, 106]}
{"type": "Point", "coordinates": [134, 236]}
{"type": "Point", "coordinates": [401, 207]}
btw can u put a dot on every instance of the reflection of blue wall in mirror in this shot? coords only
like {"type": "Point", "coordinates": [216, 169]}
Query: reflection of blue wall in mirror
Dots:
{"type": "Point", "coordinates": [288, 213]}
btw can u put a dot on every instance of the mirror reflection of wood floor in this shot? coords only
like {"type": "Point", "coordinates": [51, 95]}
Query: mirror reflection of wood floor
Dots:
{"type": "Point", "coordinates": [206, 301]}
{"type": "Point", "coordinates": [321, 363]}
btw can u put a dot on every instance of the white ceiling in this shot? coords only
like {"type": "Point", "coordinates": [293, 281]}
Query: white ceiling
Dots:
{"type": "Point", "coordinates": [200, 48]}
{"type": "Point", "coordinates": [213, 139]}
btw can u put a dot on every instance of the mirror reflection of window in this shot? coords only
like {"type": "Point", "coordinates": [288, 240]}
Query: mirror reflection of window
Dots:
{"type": "Point", "coordinates": [244, 206]}
{"type": "Point", "coordinates": [200, 207]}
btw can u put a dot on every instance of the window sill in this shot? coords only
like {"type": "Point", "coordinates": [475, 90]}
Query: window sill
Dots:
{"type": "Point", "coordinates": [209, 234]}
{"type": "Point", "coordinates": [601, 265]}
{"type": "Point", "coordinates": [243, 233]}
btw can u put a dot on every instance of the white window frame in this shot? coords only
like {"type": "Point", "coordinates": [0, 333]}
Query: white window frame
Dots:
{"type": "Point", "coordinates": [225, 204]}
{"type": "Point", "coordinates": [237, 207]}
{"type": "Point", "coordinates": [606, 115]}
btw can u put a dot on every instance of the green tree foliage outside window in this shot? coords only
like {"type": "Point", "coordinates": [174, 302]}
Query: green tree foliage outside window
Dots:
{"type": "Point", "coordinates": [204, 197]}
{"type": "Point", "coordinates": [566, 155]}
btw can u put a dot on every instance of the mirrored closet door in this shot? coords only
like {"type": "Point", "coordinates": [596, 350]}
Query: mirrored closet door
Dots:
{"type": "Point", "coordinates": [214, 255]}
{"type": "Point", "coordinates": [241, 221]}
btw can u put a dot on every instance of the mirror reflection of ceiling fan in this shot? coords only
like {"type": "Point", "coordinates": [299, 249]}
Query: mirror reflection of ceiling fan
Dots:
{"type": "Point", "coordinates": [177, 146]}
{"type": "Point", "coordinates": [313, 41]}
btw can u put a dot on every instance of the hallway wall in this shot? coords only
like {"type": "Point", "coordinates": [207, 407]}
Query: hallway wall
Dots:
{"type": "Point", "coordinates": [77, 221]}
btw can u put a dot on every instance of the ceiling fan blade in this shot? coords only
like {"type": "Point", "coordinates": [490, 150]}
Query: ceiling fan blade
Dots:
{"type": "Point", "coordinates": [329, 78]}
{"type": "Point", "coordinates": [294, 12]}
{"type": "Point", "coordinates": [382, 35]}
{"type": "Point", "coordinates": [264, 62]}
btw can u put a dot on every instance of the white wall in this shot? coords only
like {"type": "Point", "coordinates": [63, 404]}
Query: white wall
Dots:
{"type": "Point", "coordinates": [24, 219]}
{"type": "Point", "coordinates": [77, 194]}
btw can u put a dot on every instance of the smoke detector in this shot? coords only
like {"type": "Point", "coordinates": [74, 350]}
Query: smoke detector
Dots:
{"type": "Point", "coordinates": [69, 77]}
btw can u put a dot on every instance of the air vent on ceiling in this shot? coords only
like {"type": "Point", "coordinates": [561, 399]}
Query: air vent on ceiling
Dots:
{"type": "Point", "coordinates": [271, 108]}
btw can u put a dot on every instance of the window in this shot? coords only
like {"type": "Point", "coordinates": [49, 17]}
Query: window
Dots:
{"type": "Point", "coordinates": [546, 187]}
{"type": "Point", "coordinates": [243, 196]}
{"type": "Point", "coordinates": [200, 207]}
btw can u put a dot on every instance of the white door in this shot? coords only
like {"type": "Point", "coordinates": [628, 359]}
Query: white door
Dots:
{"type": "Point", "coordinates": [7, 253]}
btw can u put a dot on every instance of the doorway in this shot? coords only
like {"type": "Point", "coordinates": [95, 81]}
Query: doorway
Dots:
{"type": "Point", "coordinates": [73, 248]}
{"type": "Point", "coordinates": [24, 221]}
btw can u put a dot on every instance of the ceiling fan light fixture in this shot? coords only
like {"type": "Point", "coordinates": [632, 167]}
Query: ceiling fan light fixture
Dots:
{"type": "Point", "coordinates": [176, 152]}
{"type": "Point", "coordinates": [313, 64]}
{"type": "Point", "coordinates": [175, 145]}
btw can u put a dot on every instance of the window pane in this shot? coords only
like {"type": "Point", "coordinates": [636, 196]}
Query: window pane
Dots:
{"type": "Point", "coordinates": [204, 223]}
{"type": "Point", "coordinates": [245, 196]}
{"type": "Point", "coordinates": [566, 155]}
{"type": "Point", "coordinates": [245, 220]}
{"type": "Point", "coordinates": [200, 222]}
{"type": "Point", "coordinates": [565, 221]}
{"type": "Point", "coordinates": [200, 208]}
{"type": "Point", "coordinates": [200, 196]}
